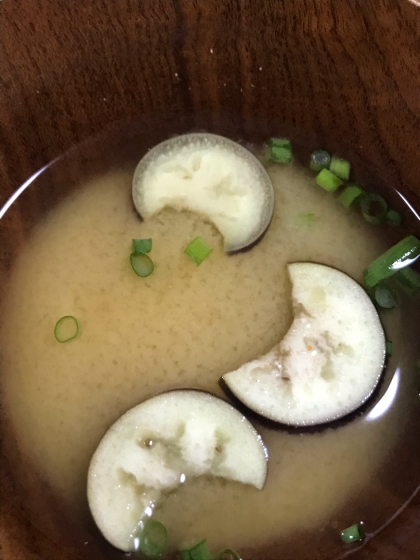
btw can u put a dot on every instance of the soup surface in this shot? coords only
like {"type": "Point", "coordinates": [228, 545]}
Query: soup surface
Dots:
{"type": "Point", "coordinates": [185, 326]}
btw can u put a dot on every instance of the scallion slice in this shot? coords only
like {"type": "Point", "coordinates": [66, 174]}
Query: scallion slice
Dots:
{"type": "Point", "coordinates": [227, 554]}
{"type": "Point", "coordinates": [328, 180]}
{"type": "Point", "coordinates": [66, 329]}
{"type": "Point", "coordinates": [153, 539]}
{"type": "Point", "coordinates": [351, 195]}
{"type": "Point", "coordinates": [388, 348]}
{"type": "Point", "coordinates": [340, 167]}
{"type": "Point", "coordinates": [142, 245]}
{"type": "Point", "coordinates": [281, 150]}
{"type": "Point", "coordinates": [197, 250]}
{"type": "Point", "coordinates": [199, 551]}
{"type": "Point", "coordinates": [142, 264]}
{"type": "Point", "coordinates": [374, 208]}
{"type": "Point", "coordinates": [409, 280]}
{"type": "Point", "coordinates": [397, 257]}
{"type": "Point", "coordinates": [385, 296]}
{"type": "Point", "coordinates": [352, 534]}
{"type": "Point", "coordinates": [281, 155]}
{"type": "Point", "coordinates": [393, 218]}
{"type": "Point", "coordinates": [280, 143]}
{"type": "Point", "coordinates": [320, 159]}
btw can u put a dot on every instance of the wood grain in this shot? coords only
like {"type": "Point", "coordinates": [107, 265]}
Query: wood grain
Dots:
{"type": "Point", "coordinates": [344, 74]}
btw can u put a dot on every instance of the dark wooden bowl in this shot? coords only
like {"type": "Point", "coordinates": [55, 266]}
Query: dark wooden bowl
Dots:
{"type": "Point", "coordinates": [341, 73]}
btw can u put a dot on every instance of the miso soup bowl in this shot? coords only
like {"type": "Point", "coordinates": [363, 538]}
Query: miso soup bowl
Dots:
{"type": "Point", "coordinates": [341, 73]}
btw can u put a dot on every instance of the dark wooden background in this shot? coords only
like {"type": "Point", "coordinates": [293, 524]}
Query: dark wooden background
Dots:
{"type": "Point", "coordinates": [342, 73]}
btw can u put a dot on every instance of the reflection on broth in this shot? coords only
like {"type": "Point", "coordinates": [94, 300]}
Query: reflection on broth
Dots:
{"type": "Point", "coordinates": [185, 326]}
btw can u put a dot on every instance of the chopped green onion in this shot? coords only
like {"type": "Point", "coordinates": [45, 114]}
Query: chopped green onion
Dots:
{"type": "Point", "coordinates": [397, 257]}
{"type": "Point", "coordinates": [351, 195]}
{"type": "Point", "coordinates": [340, 167]}
{"type": "Point", "coordinates": [142, 245]}
{"type": "Point", "coordinates": [280, 143]}
{"type": "Point", "coordinates": [374, 208]}
{"type": "Point", "coordinates": [66, 329]}
{"type": "Point", "coordinates": [409, 280]}
{"type": "Point", "coordinates": [197, 250]}
{"type": "Point", "coordinates": [320, 159]}
{"type": "Point", "coordinates": [142, 264]}
{"type": "Point", "coordinates": [328, 180]}
{"type": "Point", "coordinates": [352, 534]}
{"type": "Point", "coordinates": [227, 554]}
{"type": "Point", "coordinates": [388, 348]}
{"type": "Point", "coordinates": [198, 552]}
{"type": "Point", "coordinates": [280, 150]}
{"type": "Point", "coordinates": [385, 296]}
{"type": "Point", "coordinates": [153, 539]}
{"type": "Point", "coordinates": [201, 551]}
{"type": "Point", "coordinates": [393, 218]}
{"type": "Point", "coordinates": [281, 155]}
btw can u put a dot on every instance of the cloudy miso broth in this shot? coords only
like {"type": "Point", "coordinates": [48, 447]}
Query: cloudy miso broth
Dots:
{"type": "Point", "coordinates": [185, 326]}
